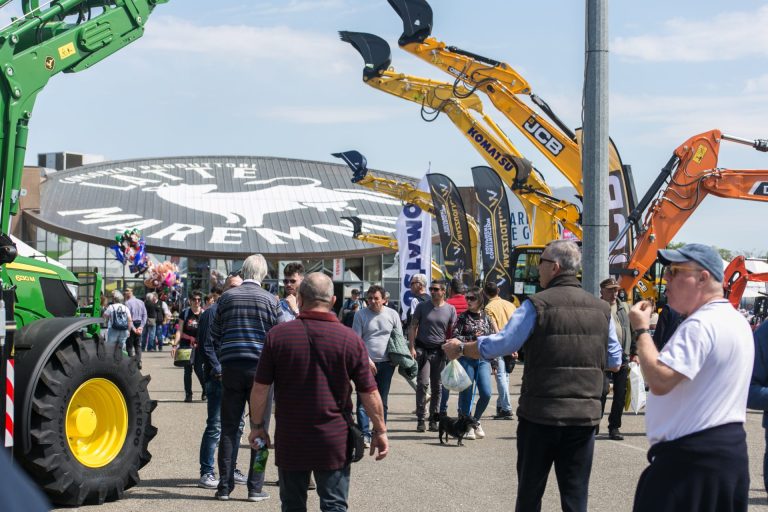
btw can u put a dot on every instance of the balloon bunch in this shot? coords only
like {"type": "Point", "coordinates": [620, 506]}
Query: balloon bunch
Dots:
{"type": "Point", "coordinates": [130, 250]}
{"type": "Point", "coordinates": [164, 279]}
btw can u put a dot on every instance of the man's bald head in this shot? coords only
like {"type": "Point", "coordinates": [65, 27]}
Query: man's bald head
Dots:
{"type": "Point", "coordinates": [316, 292]}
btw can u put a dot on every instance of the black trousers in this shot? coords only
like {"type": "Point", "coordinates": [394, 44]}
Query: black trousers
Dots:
{"type": "Point", "coordinates": [236, 384]}
{"type": "Point", "coordinates": [570, 449]}
{"type": "Point", "coordinates": [133, 343]}
{"type": "Point", "coordinates": [707, 471]}
{"type": "Point", "coordinates": [619, 396]}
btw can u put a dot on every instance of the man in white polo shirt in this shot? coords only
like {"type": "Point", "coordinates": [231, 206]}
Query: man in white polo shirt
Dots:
{"type": "Point", "coordinates": [697, 405]}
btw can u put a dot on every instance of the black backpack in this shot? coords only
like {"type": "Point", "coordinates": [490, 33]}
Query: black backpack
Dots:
{"type": "Point", "coordinates": [119, 318]}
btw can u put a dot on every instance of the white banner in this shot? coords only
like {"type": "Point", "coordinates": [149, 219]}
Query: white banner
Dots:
{"type": "Point", "coordinates": [338, 269]}
{"type": "Point", "coordinates": [414, 241]}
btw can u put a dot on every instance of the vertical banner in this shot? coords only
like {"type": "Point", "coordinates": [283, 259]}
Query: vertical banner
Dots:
{"type": "Point", "coordinates": [338, 269]}
{"type": "Point", "coordinates": [621, 190]}
{"type": "Point", "coordinates": [414, 242]}
{"type": "Point", "coordinates": [494, 224]}
{"type": "Point", "coordinates": [452, 224]}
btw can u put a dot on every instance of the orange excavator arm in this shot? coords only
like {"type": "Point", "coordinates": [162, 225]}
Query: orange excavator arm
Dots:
{"type": "Point", "coordinates": [736, 277]}
{"type": "Point", "coordinates": [689, 176]}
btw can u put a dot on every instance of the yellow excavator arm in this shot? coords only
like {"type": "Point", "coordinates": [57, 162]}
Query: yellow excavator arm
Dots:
{"type": "Point", "coordinates": [544, 210]}
{"type": "Point", "coordinates": [503, 86]}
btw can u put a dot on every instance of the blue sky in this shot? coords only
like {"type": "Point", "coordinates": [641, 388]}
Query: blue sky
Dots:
{"type": "Point", "coordinates": [273, 79]}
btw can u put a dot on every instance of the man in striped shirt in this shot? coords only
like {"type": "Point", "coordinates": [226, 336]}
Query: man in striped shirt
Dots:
{"type": "Point", "coordinates": [243, 318]}
{"type": "Point", "coordinates": [311, 362]}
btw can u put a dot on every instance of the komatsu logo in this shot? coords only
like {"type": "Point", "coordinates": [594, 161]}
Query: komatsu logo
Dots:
{"type": "Point", "coordinates": [543, 136]}
{"type": "Point", "coordinates": [760, 189]}
{"type": "Point", "coordinates": [496, 154]}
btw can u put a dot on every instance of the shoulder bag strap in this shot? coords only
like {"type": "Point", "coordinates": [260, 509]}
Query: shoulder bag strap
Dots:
{"type": "Point", "coordinates": [339, 402]}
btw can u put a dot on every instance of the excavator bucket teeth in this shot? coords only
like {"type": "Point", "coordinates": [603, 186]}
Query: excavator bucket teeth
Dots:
{"type": "Point", "coordinates": [374, 50]}
{"type": "Point", "coordinates": [356, 162]}
{"type": "Point", "coordinates": [417, 20]}
{"type": "Point", "coordinates": [523, 168]}
{"type": "Point", "coordinates": [357, 225]}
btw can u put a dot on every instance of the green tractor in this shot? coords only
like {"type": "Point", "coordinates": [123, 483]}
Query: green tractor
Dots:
{"type": "Point", "coordinates": [80, 415]}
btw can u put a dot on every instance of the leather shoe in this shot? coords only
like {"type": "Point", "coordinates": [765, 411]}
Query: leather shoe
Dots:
{"type": "Point", "coordinates": [615, 435]}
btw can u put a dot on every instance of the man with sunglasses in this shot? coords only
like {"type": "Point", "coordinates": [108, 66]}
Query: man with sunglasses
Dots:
{"type": "Point", "coordinates": [699, 383]}
{"type": "Point", "coordinates": [569, 340]}
{"type": "Point", "coordinates": [293, 275]}
{"type": "Point", "coordinates": [431, 325]}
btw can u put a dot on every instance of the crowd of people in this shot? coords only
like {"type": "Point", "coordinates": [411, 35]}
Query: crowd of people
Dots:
{"type": "Point", "coordinates": [253, 348]}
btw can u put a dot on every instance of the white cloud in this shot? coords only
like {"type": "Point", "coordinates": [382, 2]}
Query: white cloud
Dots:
{"type": "Point", "coordinates": [246, 45]}
{"type": "Point", "coordinates": [727, 36]}
{"type": "Point", "coordinates": [675, 118]}
{"type": "Point", "coordinates": [296, 6]}
{"type": "Point", "coordinates": [326, 115]}
{"type": "Point", "coordinates": [757, 85]}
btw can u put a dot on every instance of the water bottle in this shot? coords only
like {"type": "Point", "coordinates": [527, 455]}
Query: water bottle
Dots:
{"type": "Point", "coordinates": [262, 454]}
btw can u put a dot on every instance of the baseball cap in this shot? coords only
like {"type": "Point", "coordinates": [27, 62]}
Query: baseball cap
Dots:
{"type": "Point", "coordinates": [706, 256]}
{"type": "Point", "coordinates": [609, 283]}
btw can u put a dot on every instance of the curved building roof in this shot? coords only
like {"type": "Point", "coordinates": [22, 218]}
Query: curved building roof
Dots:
{"type": "Point", "coordinates": [218, 206]}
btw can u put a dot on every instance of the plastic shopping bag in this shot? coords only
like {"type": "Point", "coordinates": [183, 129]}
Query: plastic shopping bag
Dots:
{"type": "Point", "coordinates": [454, 377]}
{"type": "Point", "coordinates": [637, 400]}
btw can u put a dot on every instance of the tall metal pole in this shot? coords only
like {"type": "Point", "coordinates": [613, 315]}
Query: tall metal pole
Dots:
{"type": "Point", "coordinates": [595, 147]}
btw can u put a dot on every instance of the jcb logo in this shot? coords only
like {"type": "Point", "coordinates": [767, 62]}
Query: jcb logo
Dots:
{"type": "Point", "coordinates": [760, 189]}
{"type": "Point", "coordinates": [541, 134]}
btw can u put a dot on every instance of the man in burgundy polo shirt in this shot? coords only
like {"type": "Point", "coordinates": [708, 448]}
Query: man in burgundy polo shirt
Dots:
{"type": "Point", "coordinates": [315, 440]}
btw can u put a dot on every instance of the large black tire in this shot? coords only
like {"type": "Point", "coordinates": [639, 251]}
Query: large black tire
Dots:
{"type": "Point", "coordinates": [50, 461]}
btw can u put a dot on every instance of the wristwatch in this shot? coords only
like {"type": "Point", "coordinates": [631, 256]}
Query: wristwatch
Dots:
{"type": "Point", "coordinates": [461, 348]}
{"type": "Point", "coordinates": [641, 331]}
{"type": "Point", "coordinates": [257, 426]}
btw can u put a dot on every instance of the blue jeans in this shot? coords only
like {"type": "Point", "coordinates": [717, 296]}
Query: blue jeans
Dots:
{"type": "Point", "coordinates": [149, 336]}
{"type": "Point", "coordinates": [212, 432]}
{"type": "Point", "coordinates": [479, 372]}
{"type": "Point", "coordinates": [116, 337]}
{"type": "Point", "coordinates": [502, 386]}
{"type": "Point", "coordinates": [384, 373]}
{"type": "Point", "coordinates": [332, 489]}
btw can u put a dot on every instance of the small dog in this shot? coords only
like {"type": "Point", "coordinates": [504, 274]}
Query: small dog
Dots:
{"type": "Point", "coordinates": [455, 427]}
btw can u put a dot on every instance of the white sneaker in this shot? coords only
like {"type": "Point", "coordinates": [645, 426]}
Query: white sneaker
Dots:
{"type": "Point", "coordinates": [470, 435]}
{"type": "Point", "coordinates": [208, 481]}
{"type": "Point", "coordinates": [479, 433]}
{"type": "Point", "coordinates": [240, 478]}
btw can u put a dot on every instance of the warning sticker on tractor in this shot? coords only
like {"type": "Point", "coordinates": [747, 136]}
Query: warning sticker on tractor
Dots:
{"type": "Point", "coordinates": [700, 152]}
{"type": "Point", "coordinates": [67, 50]}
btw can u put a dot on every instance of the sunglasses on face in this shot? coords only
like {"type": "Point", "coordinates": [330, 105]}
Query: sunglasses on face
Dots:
{"type": "Point", "coordinates": [471, 298]}
{"type": "Point", "coordinates": [541, 260]}
{"type": "Point", "coordinates": [195, 299]}
{"type": "Point", "coordinates": [289, 281]}
{"type": "Point", "coordinates": [435, 289]}
{"type": "Point", "coordinates": [674, 270]}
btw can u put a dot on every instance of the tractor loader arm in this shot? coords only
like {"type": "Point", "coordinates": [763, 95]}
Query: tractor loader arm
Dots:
{"type": "Point", "coordinates": [689, 176]}
{"type": "Point", "coordinates": [736, 277]}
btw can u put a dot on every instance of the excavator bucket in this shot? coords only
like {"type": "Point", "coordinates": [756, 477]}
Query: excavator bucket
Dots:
{"type": "Point", "coordinates": [417, 20]}
{"type": "Point", "coordinates": [356, 162]}
{"type": "Point", "coordinates": [357, 225]}
{"type": "Point", "coordinates": [375, 52]}
{"type": "Point", "coordinates": [523, 168]}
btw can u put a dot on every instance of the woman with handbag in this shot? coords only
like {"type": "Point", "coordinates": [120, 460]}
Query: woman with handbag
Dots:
{"type": "Point", "coordinates": [184, 341]}
{"type": "Point", "coordinates": [469, 325]}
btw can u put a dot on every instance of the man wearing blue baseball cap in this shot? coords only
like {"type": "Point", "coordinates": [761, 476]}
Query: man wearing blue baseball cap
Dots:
{"type": "Point", "coordinates": [697, 405]}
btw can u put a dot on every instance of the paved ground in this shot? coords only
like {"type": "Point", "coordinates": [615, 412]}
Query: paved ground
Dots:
{"type": "Point", "coordinates": [418, 475]}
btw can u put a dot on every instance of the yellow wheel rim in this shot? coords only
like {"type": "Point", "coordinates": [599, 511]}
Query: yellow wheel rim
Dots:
{"type": "Point", "coordinates": [97, 422]}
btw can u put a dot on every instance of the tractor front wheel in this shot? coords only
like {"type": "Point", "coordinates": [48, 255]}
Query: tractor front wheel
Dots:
{"type": "Point", "coordinates": [91, 423]}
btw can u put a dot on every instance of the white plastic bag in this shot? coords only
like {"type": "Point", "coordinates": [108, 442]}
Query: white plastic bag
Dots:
{"type": "Point", "coordinates": [637, 384]}
{"type": "Point", "coordinates": [454, 377]}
